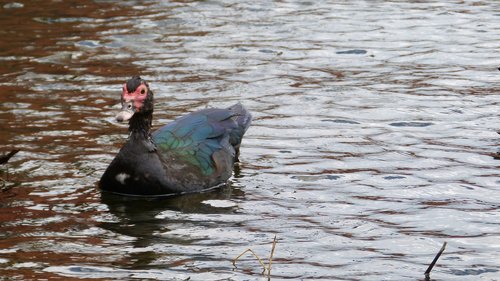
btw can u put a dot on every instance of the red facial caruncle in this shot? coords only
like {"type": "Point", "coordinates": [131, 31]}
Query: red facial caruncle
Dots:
{"type": "Point", "coordinates": [137, 97]}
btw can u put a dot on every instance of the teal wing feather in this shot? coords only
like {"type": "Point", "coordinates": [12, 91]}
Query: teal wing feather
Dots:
{"type": "Point", "coordinates": [196, 136]}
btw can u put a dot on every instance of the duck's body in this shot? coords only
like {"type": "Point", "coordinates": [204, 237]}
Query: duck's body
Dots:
{"type": "Point", "coordinates": [195, 152]}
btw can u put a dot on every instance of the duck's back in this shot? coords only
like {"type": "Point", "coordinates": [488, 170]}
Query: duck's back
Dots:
{"type": "Point", "coordinates": [198, 150]}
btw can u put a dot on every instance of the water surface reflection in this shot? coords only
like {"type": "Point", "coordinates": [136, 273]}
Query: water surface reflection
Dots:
{"type": "Point", "coordinates": [375, 124]}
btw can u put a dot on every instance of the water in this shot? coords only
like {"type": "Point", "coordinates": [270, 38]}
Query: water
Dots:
{"type": "Point", "coordinates": [372, 142]}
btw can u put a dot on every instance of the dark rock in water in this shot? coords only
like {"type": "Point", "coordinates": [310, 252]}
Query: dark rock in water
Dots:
{"type": "Point", "coordinates": [5, 158]}
{"type": "Point", "coordinates": [352, 52]}
{"type": "Point", "coordinates": [89, 43]}
{"type": "Point", "coordinates": [340, 121]}
{"type": "Point", "coordinates": [496, 156]}
{"type": "Point", "coordinates": [267, 51]}
{"type": "Point", "coordinates": [473, 272]}
{"type": "Point", "coordinates": [411, 124]}
{"type": "Point", "coordinates": [394, 177]}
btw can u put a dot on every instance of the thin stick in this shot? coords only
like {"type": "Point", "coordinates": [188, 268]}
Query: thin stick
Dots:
{"type": "Point", "coordinates": [265, 268]}
{"type": "Point", "coordinates": [5, 158]}
{"type": "Point", "coordinates": [271, 258]}
{"type": "Point", "coordinates": [254, 254]}
{"type": "Point", "coordinates": [428, 271]}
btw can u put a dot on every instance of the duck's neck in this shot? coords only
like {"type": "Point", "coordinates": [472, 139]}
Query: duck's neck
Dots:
{"type": "Point", "coordinates": [140, 125]}
{"type": "Point", "coordinates": [140, 130]}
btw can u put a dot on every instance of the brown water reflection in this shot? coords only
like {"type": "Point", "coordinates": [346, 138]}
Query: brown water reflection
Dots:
{"type": "Point", "coordinates": [375, 122]}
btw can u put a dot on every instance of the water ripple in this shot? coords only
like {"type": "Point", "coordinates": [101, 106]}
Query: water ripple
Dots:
{"type": "Point", "coordinates": [372, 141]}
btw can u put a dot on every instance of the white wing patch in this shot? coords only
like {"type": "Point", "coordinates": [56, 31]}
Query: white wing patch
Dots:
{"type": "Point", "coordinates": [121, 177]}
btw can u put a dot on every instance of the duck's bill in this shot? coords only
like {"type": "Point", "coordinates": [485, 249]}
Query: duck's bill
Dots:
{"type": "Point", "coordinates": [124, 115]}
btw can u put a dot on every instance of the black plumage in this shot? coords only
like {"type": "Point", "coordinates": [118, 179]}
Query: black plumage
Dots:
{"type": "Point", "coordinates": [195, 152]}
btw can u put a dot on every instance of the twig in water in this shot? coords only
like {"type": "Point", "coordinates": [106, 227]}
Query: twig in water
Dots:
{"type": "Point", "coordinates": [271, 258]}
{"type": "Point", "coordinates": [254, 254]}
{"type": "Point", "coordinates": [268, 268]}
{"type": "Point", "coordinates": [5, 158]}
{"type": "Point", "coordinates": [428, 271]}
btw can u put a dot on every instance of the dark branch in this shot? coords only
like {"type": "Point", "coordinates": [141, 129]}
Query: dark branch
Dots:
{"type": "Point", "coordinates": [428, 271]}
{"type": "Point", "coordinates": [5, 158]}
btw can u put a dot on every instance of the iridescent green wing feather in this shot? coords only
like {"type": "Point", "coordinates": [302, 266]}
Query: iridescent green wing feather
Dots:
{"type": "Point", "coordinates": [196, 136]}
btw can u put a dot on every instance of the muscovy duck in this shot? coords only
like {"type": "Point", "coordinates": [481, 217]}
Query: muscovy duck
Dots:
{"type": "Point", "coordinates": [195, 152]}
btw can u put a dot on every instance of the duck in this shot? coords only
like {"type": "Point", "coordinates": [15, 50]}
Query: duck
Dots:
{"type": "Point", "coordinates": [193, 153]}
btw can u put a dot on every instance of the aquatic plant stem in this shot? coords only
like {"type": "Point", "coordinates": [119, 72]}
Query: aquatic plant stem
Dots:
{"type": "Point", "coordinates": [255, 255]}
{"type": "Point", "coordinates": [265, 268]}
{"type": "Point", "coordinates": [428, 271]}
{"type": "Point", "coordinates": [271, 258]}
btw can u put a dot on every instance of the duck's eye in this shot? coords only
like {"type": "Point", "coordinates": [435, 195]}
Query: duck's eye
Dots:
{"type": "Point", "coordinates": [143, 91]}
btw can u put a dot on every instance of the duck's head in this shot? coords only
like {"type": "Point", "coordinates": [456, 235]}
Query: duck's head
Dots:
{"type": "Point", "coordinates": [137, 98]}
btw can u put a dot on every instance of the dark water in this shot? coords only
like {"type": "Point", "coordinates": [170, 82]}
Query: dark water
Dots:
{"type": "Point", "coordinates": [375, 125]}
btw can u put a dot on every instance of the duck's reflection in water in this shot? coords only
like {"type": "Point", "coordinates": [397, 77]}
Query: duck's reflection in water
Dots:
{"type": "Point", "coordinates": [144, 220]}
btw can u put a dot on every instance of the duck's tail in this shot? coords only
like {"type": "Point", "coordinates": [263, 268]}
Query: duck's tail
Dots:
{"type": "Point", "coordinates": [243, 118]}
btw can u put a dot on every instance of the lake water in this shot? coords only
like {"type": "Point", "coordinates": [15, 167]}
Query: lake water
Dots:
{"type": "Point", "coordinates": [373, 138]}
